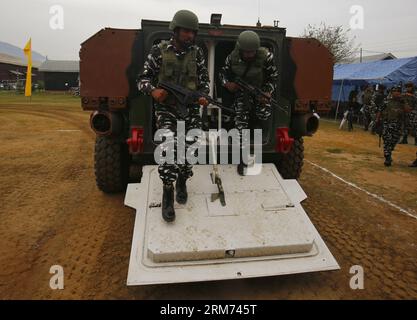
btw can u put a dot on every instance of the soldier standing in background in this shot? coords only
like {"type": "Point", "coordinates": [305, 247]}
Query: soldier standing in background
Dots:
{"type": "Point", "coordinates": [411, 100]}
{"type": "Point", "coordinates": [391, 115]}
{"type": "Point", "coordinates": [178, 61]}
{"type": "Point", "coordinates": [352, 107]}
{"type": "Point", "coordinates": [377, 103]}
{"type": "Point", "coordinates": [255, 65]}
{"type": "Point", "coordinates": [367, 101]}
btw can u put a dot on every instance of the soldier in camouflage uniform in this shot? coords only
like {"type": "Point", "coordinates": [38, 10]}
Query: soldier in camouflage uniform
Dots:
{"type": "Point", "coordinates": [178, 61]}
{"type": "Point", "coordinates": [411, 101]}
{"type": "Point", "coordinates": [367, 101]}
{"type": "Point", "coordinates": [391, 114]}
{"type": "Point", "coordinates": [255, 65]}
{"type": "Point", "coordinates": [377, 103]}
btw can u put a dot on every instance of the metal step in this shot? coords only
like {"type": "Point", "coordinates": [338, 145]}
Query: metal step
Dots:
{"type": "Point", "coordinates": [262, 231]}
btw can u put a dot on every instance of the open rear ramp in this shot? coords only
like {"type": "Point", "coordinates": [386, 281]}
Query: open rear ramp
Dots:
{"type": "Point", "coordinates": [262, 231]}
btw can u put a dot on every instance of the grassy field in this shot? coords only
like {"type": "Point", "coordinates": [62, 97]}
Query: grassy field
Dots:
{"type": "Point", "coordinates": [44, 98]}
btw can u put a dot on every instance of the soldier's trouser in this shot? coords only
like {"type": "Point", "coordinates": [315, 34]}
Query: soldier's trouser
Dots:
{"type": "Point", "coordinates": [413, 123]}
{"type": "Point", "coordinates": [166, 118]}
{"type": "Point", "coordinates": [373, 119]}
{"type": "Point", "coordinates": [243, 106]}
{"type": "Point", "coordinates": [391, 133]}
{"type": "Point", "coordinates": [405, 125]}
{"type": "Point", "coordinates": [350, 120]}
{"type": "Point", "coordinates": [366, 117]}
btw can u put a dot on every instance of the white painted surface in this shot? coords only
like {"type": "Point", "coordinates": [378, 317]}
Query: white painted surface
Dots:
{"type": "Point", "coordinates": [262, 231]}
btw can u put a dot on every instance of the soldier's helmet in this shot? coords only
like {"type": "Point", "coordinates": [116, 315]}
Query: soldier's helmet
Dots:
{"type": "Point", "coordinates": [248, 41]}
{"type": "Point", "coordinates": [396, 89]}
{"type": "Point", "coordinates": [184, 19]}
{"type": "Point", "coordinates": [409, 85]}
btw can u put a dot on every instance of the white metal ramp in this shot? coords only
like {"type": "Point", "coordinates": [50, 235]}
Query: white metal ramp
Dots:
{"type": "Point", "coordinates": [262, 231]}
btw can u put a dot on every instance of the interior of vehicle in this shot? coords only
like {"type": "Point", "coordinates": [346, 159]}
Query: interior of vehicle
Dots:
{"type": "Point", "coordinates": [222, 50]}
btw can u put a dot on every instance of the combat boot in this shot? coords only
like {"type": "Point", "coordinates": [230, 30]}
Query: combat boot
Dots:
{"type": "Point", "coordinates": [168, 212]}
{"type": "Point", "coordinates": [388, 161]}
{"type": "Point", "coordinates": [414, 164]}
{"type": "Point", "coordinates": [415, 141]}
{"type": "Point", "coordinates": [241, 168]}
{"type": "Point", "coordinates": [404, 140]}
{"type": "Point", "coordinates": [181, 190]}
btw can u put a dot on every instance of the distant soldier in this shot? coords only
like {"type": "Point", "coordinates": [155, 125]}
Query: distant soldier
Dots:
{"type": "Point", "coordinates": [352, 107]}
{"type": "Point", "coordinates": [181, 62]}
{"type": "Point", "coordinates": [411, 101]}
{"type": "Point", "coordinates": [377, 103]}
{"type": "Point", "coordinates": [391, 115]}
{"type": "Point", "coordinates": [367, 101]}
{"type": "Point", "coordinates": [255, 65]}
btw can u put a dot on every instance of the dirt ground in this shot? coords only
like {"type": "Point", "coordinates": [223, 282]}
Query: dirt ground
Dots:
{"type": "Point", "coordinates": [51, 213]}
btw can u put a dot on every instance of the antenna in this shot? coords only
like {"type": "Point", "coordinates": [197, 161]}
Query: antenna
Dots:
{"type": "Point", "coordinates": [258, 24]}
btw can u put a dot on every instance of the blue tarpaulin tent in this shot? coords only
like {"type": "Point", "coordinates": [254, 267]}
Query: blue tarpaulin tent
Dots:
{"type": "Point", "coordinates": [388, 72]}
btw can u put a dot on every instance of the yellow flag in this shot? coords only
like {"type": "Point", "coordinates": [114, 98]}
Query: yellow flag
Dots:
{"type": "Point", "coordinates": [28, 52]}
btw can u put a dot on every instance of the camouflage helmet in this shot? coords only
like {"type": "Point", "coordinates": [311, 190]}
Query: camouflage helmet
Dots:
{"type": "Point", "coordinates": [409, 85]}
{"type": "Point", "coordinates": [184, 19]}
{"type": "Point", "coordinates": [396, 89]}
{"type": "Point", "coordinates": [248, 41]}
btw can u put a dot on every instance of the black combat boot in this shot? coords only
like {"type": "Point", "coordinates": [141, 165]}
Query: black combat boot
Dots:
{"type": "Point", "coordinates": [241, 168]}
{"type": "Point", "coordinates": [168, 212]}
{"type": "Point", "coordinates": [414, 164]}
{"type": "Point", "coordinates": [181, 190]}
{"type": "Point", "coordinates": [415, 140]}
{"type": "Point", "coordinates": [404, 140]}
{"type": "Point", "coordinates": [388, 161]}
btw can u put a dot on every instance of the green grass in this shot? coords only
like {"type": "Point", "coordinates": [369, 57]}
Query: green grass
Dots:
{"type": "Point", "coordinates": [46, 98]}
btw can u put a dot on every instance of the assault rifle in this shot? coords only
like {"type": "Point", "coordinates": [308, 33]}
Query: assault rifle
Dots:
{"type": "Point", "coordinates": [186, 97]}
{"type": "Point", "coordinates": [257, 93]}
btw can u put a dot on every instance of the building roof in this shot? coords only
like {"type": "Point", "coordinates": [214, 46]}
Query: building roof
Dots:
{"type": "Point", "coordinates": [60, 66]}
{"type": "Point", "coordinates": [8, 59]}
{"type": "Point", "coordinates": [372, 58]}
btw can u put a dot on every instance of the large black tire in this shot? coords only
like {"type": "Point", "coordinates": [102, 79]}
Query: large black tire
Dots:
{"type": "Point", "coordinates": [111, 165]}
{"type": "Point", "coordinates": [291, 164]}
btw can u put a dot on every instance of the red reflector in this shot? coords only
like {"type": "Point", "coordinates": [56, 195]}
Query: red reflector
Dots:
{"type": "Point", "coordinates": [283, 142]}
{"type": "Point", "coordinates": [136, 141]}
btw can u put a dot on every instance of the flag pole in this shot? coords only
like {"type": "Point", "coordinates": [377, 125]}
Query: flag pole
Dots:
{"type": "Point", "coordinates": [28, 86]}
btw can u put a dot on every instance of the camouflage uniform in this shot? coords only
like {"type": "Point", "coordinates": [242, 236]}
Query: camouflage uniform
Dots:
{"type": "Point", "coordinates": [411, 101]}
{"type": "Point", "coordinates": [392, 113]}
{"type": "Point", "coordinates": [367, 101]}
{"type": "Point", "coordinates": [377, 104]}
{"type": "Point", "coordinates": [268, 76]}
{"type": "Point", "coordinates": [166, 113]}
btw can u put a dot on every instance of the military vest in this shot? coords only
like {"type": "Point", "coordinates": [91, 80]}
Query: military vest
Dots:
{"type": "Point", "coordinates": [178, 70]}
{"type": "Point", "coordinates": [394, 109]}
{"type": "Point", "coordinates": [411, 101]}
{"type": "Point", "coordinates": [254, 73]}
{"type": "Point", "coordinates": [367, 98]}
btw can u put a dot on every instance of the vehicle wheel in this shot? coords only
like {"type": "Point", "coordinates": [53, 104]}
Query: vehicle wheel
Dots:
{"type": "Point", "coordinates": [111, 165]}
{"type": "Point", "coordinates": [291, 164]}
